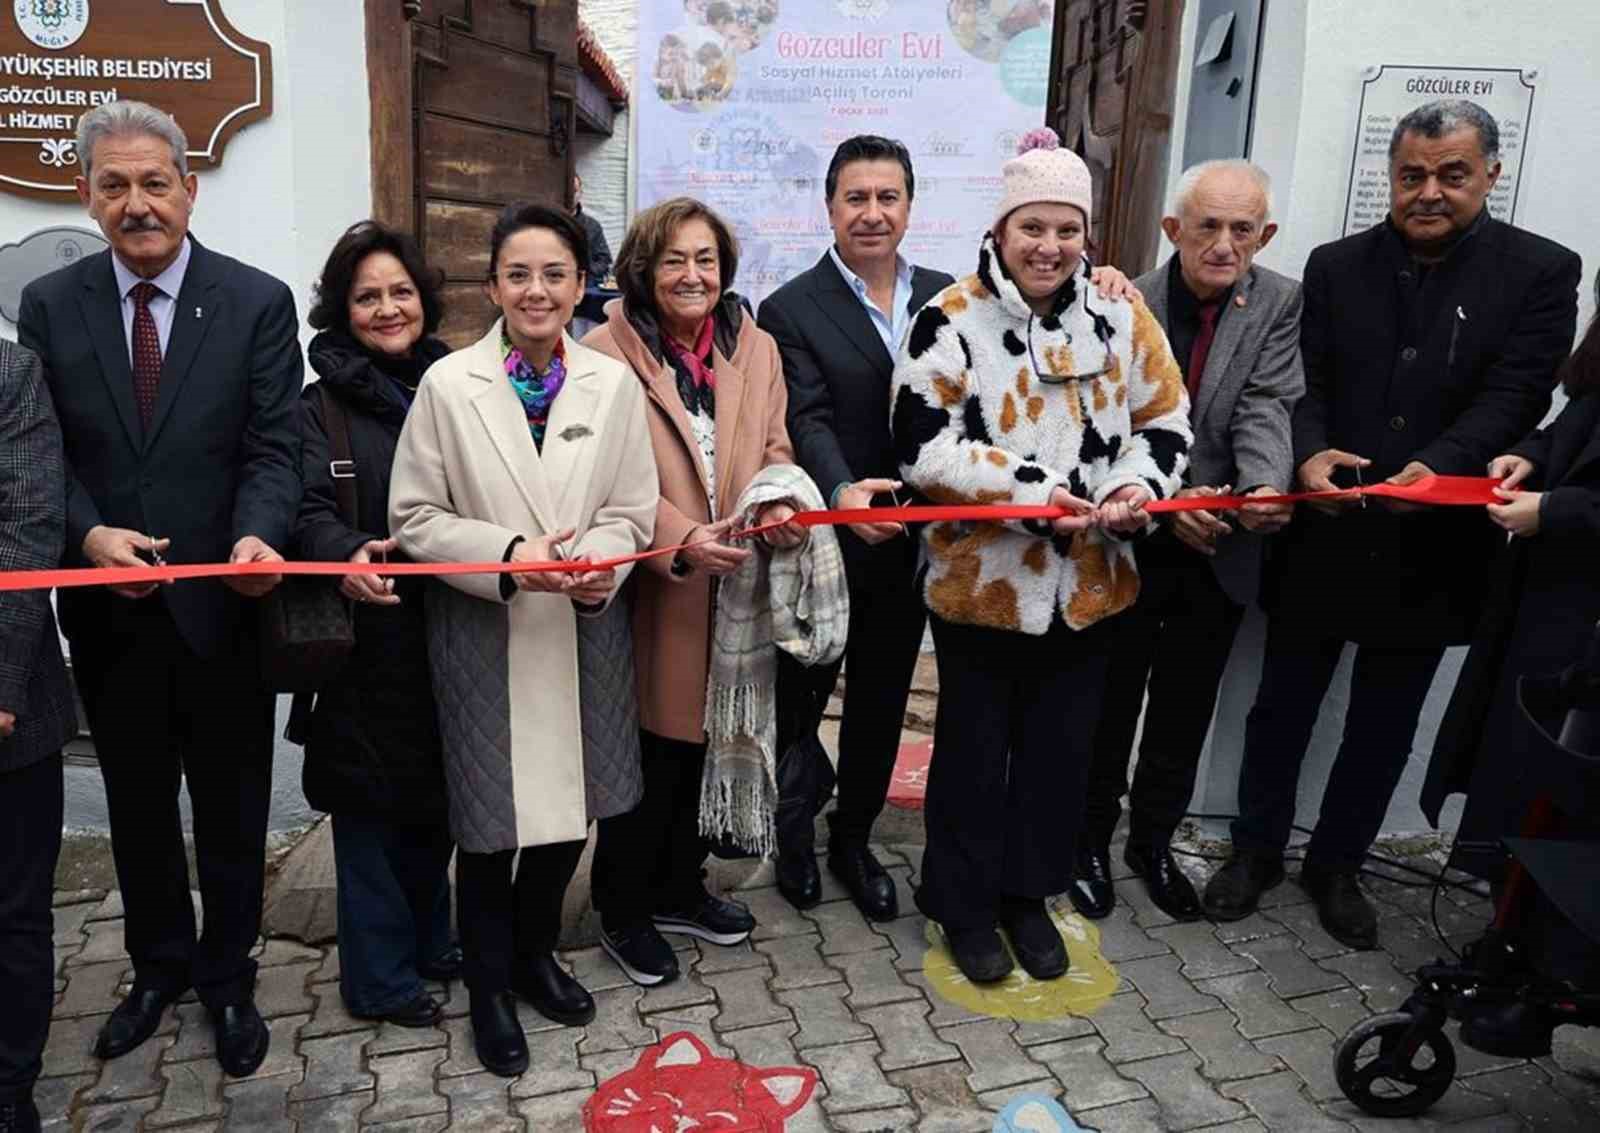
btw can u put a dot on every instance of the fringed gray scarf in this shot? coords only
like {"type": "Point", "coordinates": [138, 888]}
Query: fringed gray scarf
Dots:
{"type": "Point", "coordinates": [790, 599]}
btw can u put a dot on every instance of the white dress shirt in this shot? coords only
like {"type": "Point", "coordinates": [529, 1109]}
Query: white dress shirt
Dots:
{"type": "Point", "coordinates": [163, 305]}
{"type": "Point", "coordinates": [891, 325]}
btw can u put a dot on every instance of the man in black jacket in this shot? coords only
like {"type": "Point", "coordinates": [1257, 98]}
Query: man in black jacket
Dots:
{"type": "Point", "coordinates": [176, 375]}
{"type": "Point", "coordinates": [838, 329]}
{"type": "Point", "coordinates": [36, 718]}
{"type": "Point", "coordinates": [1431, 343]}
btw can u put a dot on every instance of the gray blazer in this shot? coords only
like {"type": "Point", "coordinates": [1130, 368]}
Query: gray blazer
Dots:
{"type": "Point", "coordinates": [1253, 378]}
{"type": "Point", "coordinates": [33, 524]}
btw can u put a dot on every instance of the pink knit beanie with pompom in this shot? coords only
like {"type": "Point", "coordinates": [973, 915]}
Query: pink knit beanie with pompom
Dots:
{"type": "Point", "coordinates": [1043, 171]}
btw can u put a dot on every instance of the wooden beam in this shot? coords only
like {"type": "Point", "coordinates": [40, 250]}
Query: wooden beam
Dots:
{"type": "Point", "coordinates": [389, 80]}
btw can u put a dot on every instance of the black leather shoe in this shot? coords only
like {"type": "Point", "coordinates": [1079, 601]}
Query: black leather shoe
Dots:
{"type": "Point", "coordinates": [134, 1020]}
{"type": "Point", "coordinates": [798, 878]}
{"type": "Point", "coordinates": [498, 1037]}
{"type": "Point", "coordinates": [1091, 891]}
{"type": "Point", "coordinates": [1034, 938]}
{"type": "Point", "coordinates": [1235, 890]}
{"type": "Point", "coordinates": [242, 1038]}
{"type": "Point", "coordinates": [1515, 1030]}
{"type": "Point", "coordinates": [869, 886]}
{"type": "Point", "coordinates": [553, 993]}
{"type": "Point", "coordinates": [1169, 889]}
{"type": "Point", "coordinates": [19, 1117]}
{"type": "Point", "coordinates": [980, 954]}
{"type": "Point", "coordinates": [1341, 906]}
{"type": "Point", "coordinates": [423, 1011]}
{"type": "Point", "coordinates": [444, 967]}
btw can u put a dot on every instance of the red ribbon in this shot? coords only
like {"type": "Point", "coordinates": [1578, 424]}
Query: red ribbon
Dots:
{"type": "Point", "coordinates": [1445, 491]}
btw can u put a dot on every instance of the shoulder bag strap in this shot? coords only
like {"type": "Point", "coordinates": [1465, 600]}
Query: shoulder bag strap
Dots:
{"type": "Point", "coordinates": [342, 465]}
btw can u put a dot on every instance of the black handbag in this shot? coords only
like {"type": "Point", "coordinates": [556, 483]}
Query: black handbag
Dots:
{"type": "Point", "coordinates": [307, 629]}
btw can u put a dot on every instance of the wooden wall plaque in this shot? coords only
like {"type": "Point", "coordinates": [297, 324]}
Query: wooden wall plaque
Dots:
{"type": "Point", "coordinates": [60, 58]}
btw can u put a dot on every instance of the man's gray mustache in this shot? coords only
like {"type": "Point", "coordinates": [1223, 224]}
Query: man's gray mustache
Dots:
{"type": "Point", "coordinates": [139, 226]}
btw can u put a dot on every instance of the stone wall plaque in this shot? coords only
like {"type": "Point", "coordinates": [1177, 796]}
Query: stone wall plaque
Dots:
{"type": "Point", "coordinates": [40, 253]}
{"type": "Point", "coordinates": [60, 58]}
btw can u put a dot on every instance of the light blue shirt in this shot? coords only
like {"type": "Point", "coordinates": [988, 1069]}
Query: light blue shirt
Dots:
{"type": "Point", "coordinates": [891, 326]}
{"type": "Point", "coordinates": [163, 305]}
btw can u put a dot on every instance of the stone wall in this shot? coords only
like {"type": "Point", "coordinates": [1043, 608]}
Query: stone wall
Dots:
{"type": "Point", "coordinates": [603, 162]}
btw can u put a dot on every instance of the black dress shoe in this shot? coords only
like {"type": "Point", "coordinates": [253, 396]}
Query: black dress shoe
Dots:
{"type": "Point", "coordinates": [501, 1045]}
{"type": "Point", "coordinates": [1034, 938]}
{"type": "Point", "coordinates": [242, 1038]}
{"type": "Point", "coordinates": [798, 878]}
{"type": "Point", "coordinates": [869, 886]}
{"type": "Point", "coordinates": [557, 996]}
{"type": "Point", "coordinates": [1091, 892]}
{"type": "Point", "coordinates": [19, 1117]}
{"type": "Point", "coordinates": [134, 1020]}
{"type": "Point", "coordinates": [980, 954]}
{"type": "Point", "coordinates": [1169, 889]}
{"type": "Point", "coordinates": [1235, 890]}
{"type": "Point", "coordinates": [1341, 906]}
{"type": "Point", "coordinates": [423, 1011]}
{"type": "Point", "coordinates": [444, 967]}
{"type": "Point", "coordinates": [1515, 1030]}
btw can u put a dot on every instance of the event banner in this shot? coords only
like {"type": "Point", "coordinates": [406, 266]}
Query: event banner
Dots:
{"type": "Point", "coordinates": [740, 104]}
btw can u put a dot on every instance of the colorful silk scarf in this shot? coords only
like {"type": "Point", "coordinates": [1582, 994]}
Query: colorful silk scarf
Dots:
{"type": "Point", "coordinates": [537, 391]}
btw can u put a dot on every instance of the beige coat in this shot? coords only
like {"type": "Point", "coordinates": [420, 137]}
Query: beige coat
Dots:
{"type": "Point", "coordinates": [672, 615]}
{"type": "Point", "coordinates": [467, 481]}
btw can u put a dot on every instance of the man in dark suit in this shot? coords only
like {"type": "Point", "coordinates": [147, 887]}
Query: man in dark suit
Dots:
{"type": "Point", "coordinates": [176, 376]}
{"type": "Point", "coordinates": [1431, 343]}
{"type": "Point", "coordinates": [599, 266]}
{"type": "Point", "coordinates": [839, 328]}
{"type": "Point", "coordinates": [1235, 330]}
{"type": "Point", "coordinates": [36, 718]}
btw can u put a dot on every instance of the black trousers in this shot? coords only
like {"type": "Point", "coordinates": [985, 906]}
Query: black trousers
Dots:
{"type": "Point", "coordinates": [651, 858]}
{"type": "Point", "coordinates": [30, 841]}
{"type": "Point", "coordinates": [1176, 638]}
{"type": "Point", "coordinates": [886, 624]}
{"type": "Point", "coordinates": [504, 921]}
{"type": "Point", "coordinates": [162, 716]}
{"type": "Point", "coordinates": [1387, 690]}
{"type": "Point", "coordinates": [1011, 751]}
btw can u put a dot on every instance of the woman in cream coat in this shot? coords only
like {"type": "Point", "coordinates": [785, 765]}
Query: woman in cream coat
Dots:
{"type": "Point", "coordinates": [527, 447]}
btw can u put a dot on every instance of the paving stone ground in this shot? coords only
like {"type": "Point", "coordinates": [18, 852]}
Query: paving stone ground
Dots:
{"type": "Point", "coordinates": [1220, 1027]}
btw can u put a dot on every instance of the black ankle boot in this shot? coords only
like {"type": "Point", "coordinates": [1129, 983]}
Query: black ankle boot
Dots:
{"type": "Point", "coordinates": [544, 983]}
{"type": "Point", "coordinates": [502, 1047]}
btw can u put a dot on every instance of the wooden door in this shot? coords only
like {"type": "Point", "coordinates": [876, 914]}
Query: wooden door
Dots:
{"type": "Point", "coordinates": [1113, 72]}
{"type": "Point", "coordinates": [473, 106]}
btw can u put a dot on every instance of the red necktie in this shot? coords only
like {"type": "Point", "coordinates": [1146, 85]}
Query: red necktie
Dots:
{"type": "Point", "coordinates": [1201, 350]}
{"type": "Point", "coordinates": [146, 352]}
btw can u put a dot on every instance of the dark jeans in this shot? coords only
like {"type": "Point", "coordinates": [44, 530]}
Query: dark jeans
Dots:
{"type": "Point", "coordinates": [505, 921]}
{"type": "Point", "coordinates": [886, 624]}
{"type": "Point", "coordinates": [1011, 753]}
{"type": "Point", "coordinates": [651, 858]}
{"type": "Point", "coordinates": [30, 840]}
{"type": "Point", "coordinates": [1386, 695]}
{"type": "Point", "coordinates": [1177, 637]}
{"type": "Point", "coordinates": [394, 908]}
{"type": "Point", "coordinates": [161, 717]}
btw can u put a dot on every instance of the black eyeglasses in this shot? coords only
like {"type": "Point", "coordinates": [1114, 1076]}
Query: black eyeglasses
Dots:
{"type": "Point", "coordinates": [1062, 379]}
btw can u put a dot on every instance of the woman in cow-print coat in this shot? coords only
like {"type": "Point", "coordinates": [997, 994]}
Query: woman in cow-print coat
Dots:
{"type": "Point", "coordinates": [1018, 385]}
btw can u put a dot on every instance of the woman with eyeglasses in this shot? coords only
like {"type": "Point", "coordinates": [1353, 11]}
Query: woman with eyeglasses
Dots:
{"type": "Point", "coordinates": [716, 406]}
{"type": "Point", "coordinates": [527, 447]}
{"type": "Point", "coordinates": [1019, 385]}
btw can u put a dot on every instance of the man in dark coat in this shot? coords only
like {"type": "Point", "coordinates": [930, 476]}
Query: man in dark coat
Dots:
{"type": "Point", "coordinates": [1431, 343]}
{"type": "Point", "coordinates": [36, 718]}
{"type": "Point", "coordinates": [599, 265]}
{"type": "Point", "coordinates": [176, 375]}
{"type": "Point", "coordinates": [838, 329]}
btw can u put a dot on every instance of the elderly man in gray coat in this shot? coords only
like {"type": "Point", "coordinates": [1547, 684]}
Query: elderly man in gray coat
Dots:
{"type": "Point", "coordinates": [36, 718]}
{"type": "Point", "coordinates": [1235, 330]}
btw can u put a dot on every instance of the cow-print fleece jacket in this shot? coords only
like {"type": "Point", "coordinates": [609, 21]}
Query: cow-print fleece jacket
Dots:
{"type": "Point", "coordinates": [974, 423]}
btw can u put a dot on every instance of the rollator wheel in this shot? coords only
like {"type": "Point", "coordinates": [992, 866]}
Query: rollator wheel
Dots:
{"type": "Point", "coordinates": [1376, 1075]}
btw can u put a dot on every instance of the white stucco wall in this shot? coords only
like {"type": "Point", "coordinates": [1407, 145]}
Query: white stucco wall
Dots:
{"type": "Point", "coordinates": [603, 162]}
{"type": "Point", "coordinates": [288, 185]}
{"type": "Point", "coordinates": [286, 188]}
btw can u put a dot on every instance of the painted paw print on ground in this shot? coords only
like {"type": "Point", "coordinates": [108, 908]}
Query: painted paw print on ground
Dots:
{"type": "Point", "coordinates": [1088, 983]}
{"type": "Point", "coordinates": [1035, 1115]}
{"type": "Point", "coordinates": [679, 1085]}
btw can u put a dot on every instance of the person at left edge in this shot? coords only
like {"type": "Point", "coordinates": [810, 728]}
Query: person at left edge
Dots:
{"type": "Point", "coordinates": [176, 375]}
{"type": "Point", "coordinates": [37, 717]}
